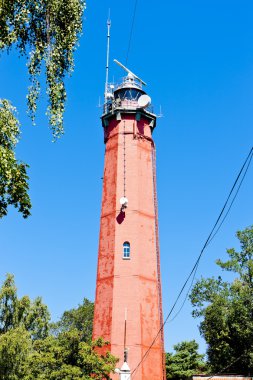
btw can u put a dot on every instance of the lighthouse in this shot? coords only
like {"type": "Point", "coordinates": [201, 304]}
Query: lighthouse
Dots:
{"type": "Point", "coordinates": [128, 304]}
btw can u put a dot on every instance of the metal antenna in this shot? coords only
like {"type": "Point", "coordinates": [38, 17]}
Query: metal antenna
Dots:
{"type": "Point", "coordinates": [160, 113]}
{"type": "Point", "coordinates": [99, 102]}
{"type": "Point", "coordinates": [107, 53]}
{"type": "Point", "coordinates": [125, 332]}
{"type": "Point", "coordinates": [129, 72]}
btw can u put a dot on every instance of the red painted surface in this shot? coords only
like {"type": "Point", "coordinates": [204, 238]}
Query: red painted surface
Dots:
{"type": "Point", "coordinates": [129, 284]}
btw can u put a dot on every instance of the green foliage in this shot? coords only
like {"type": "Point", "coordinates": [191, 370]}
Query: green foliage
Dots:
{"type": "Point", "coordinates": [13, 177]}
{"type": "Point", "coordinates": [29, 352]}
{"type": "Point", "coordinates": [45, 31]}
{"type": "Point", "coordinates": [227, 310]}
{"type": "Point", "coordinates": [67, 357]}
{"type": "Point", "coordinates": [15, 346]}
{"type": "Point", "coordinates": [80, 318]}
{"type": "Point", "coordinates": [16, 312]}
{"type": "Point", "coordinates": [185, 362]}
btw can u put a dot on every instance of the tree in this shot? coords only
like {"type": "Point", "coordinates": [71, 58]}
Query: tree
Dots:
{"type": "Point", "coordinates": [226, 309]}
{"type": "Point", "coordinates": [16, 312]}
{"type": "Point", "coordinates": [15, 347]}
{"type": "Point", "coordinates": [80, 318]}
{"type": "Point", "coordinates": [67, 357]}
{"type": "Point", "coordinates": [45, 32]}
{"type": "Point", "coordinates": [28, 351]}
{"type": "Point", "coordinates": [13, 177]}
{"type": "Point", "coordinates": [185, 362]}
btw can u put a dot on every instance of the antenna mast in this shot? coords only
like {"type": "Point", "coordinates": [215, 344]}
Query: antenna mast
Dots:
{"type": "Point", "coordinates": [125, 328]}
{"type": "Point", "coordinates": [107, 54]}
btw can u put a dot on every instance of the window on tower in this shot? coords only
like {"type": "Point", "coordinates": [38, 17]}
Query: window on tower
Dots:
{"type": "Point", "coordinates": [128, 94]}
{"type": "Point", "coordinates": [126, 250]}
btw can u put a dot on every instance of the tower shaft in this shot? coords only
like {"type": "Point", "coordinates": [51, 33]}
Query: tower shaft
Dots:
{"type": "Point", "coordinates": [128, 274]}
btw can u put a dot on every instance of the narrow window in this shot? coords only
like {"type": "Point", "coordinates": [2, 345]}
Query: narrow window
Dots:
{"type": "Point", "coordinates": [126, 250]}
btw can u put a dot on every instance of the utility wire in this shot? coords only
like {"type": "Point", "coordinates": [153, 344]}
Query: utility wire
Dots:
{"type": "Point", "coordinates": [208, 240]}
{"type": "Point", "coordinates": [131, 31]}
{"type": "Point", "coordinates": [249, 158]}
{"type": "Point", "coordinates": [237, 191]}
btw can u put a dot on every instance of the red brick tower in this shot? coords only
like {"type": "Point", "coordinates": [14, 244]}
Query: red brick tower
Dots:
{"type": "Point", "coordinates": [128, 274]}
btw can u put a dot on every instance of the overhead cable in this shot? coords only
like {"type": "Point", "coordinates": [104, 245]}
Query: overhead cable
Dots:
{"type": "Point", "coordinates": [243, 174]}
{"type": "Point", "coordinates": [131, 31]}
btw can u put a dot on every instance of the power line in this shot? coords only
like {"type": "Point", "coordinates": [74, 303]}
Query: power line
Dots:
{"type": "Point", "coordinates": [232, 202]}
{"type": "Point", "coordinates": [208, 240]}
{"type": "Point", "coordinates": [246, 164]}
{"type": "Point", "coordinates": [131, 31]}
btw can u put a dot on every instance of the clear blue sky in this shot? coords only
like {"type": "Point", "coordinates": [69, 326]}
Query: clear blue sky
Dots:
{"type": "Point", "coordinates": [197, 58]}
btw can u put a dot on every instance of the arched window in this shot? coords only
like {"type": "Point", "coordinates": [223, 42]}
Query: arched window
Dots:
{"type": "Point", "coordinates": [126, 250]}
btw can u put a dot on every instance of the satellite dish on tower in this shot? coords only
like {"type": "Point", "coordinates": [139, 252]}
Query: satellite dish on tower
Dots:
{"type": "Point", "coordinates": [144, 101]}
